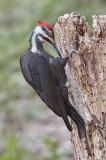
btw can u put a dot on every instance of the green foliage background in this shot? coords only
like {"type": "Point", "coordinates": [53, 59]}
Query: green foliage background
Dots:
{"type": "Point", "coordinates": [17, 21]}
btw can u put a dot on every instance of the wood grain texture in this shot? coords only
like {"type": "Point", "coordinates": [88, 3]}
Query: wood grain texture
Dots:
{"type": "Point", "coordinates": [86, 75]}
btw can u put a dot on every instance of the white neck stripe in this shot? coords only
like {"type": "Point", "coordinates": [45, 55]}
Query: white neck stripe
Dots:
{"type": "Point", "coordinates": [37, 30]}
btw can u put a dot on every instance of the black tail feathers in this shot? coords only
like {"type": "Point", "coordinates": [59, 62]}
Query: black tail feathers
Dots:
{"type": "Point", "coordinates": [79, 122]}
{"type": "Point", "coordinates": [74, 115]}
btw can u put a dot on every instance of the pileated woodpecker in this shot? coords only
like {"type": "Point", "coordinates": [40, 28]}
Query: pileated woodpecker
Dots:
{"type": "Point", "coordinates": [46, 75]}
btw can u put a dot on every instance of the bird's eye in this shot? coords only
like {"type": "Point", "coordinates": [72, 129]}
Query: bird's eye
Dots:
{"type": "Point", "coordinates": [50, 35]}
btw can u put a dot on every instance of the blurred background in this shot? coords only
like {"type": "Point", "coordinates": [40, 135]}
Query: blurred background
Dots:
{"type": "Point", "coordinates": [28, 129]}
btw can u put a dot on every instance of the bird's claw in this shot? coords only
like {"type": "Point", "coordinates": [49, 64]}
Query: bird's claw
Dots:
{"type": "Point", "coordinates": [97, 123]}
{"type": "Point", "coordinates": [74, 45]}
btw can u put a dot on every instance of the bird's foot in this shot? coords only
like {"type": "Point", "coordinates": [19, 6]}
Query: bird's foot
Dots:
{"type": "Point", "coordinates": [74, 45]}
{"type": "Point", "coordinates": [99, 126]}
{"type": "Point", "coordinates": [97, 123]}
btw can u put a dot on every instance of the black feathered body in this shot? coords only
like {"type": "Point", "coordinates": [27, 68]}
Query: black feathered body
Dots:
{"type": "Point", "coordinates": [40, 74]}
{"type": "Point", "coordinates": [47, 77]}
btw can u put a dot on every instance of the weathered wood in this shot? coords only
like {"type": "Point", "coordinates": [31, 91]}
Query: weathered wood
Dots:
{"type": "Point", "coordinates": [86, 75]}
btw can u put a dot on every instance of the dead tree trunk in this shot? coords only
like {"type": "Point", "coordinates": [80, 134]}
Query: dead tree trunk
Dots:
{"type": "Point", "coordinates": [86, 75]}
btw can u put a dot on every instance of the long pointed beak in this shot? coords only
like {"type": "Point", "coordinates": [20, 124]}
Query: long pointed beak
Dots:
{"type": "Point", "coordinates": [55, 48]}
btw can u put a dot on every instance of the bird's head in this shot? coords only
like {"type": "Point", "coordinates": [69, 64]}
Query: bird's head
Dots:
{"type": "Point", "coordinates": [43, 32]}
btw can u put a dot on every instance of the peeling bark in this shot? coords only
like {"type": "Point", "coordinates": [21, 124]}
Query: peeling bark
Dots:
{"type": "Point", "coordinates": [86, 75]}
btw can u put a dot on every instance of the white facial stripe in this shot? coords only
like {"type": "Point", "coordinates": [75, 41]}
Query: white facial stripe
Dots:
{"type": "Point", "coordinates": [48, 30]}
{"type": "Point", "coordinates": [40, 38]}
{"type": "Point", "coordinates": [37, 30]}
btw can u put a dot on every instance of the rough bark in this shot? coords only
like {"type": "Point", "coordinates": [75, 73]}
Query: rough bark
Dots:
{"type": "Point", "coordinates": [86, 75]}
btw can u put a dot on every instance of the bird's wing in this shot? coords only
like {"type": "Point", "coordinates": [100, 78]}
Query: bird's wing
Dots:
{"type": "Point", "coordinates": [45, 79]}
{"type": "Point", "coordinates": [40, 67]}
{"type": "Point", "coordinates": [24, 59]}
{"type": "Point", "coordinates": [24, 63]}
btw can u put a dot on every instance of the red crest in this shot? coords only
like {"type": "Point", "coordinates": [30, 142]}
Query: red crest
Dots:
{"type": "Point", "coordinates": [40, 23]}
